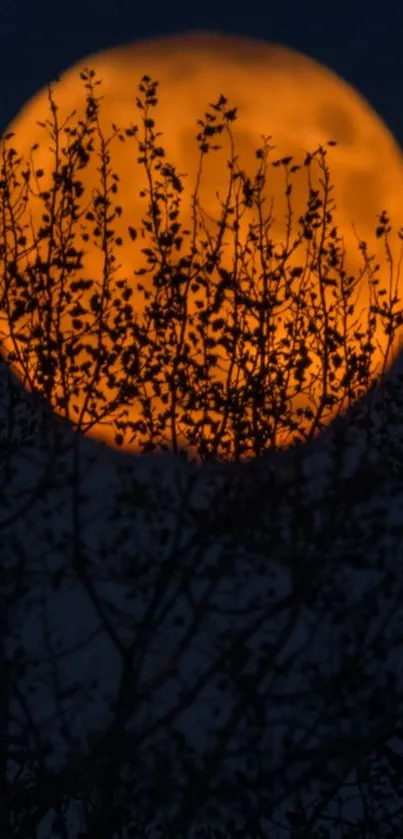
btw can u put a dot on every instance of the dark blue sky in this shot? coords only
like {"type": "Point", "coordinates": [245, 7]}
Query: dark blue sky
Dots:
{"type": "Point", "coordinates": [361, 41]}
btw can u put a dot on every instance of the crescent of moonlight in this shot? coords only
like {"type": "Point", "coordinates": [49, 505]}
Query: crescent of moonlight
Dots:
{"type": "Point", "coordinates": [279, 94]}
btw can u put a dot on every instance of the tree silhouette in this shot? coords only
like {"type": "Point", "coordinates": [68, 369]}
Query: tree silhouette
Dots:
{"type": "Point", "coordinates": [242, 591]}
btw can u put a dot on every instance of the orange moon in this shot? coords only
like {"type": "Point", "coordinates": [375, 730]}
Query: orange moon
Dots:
{"type": "Point", "coordinates": [278, 93]}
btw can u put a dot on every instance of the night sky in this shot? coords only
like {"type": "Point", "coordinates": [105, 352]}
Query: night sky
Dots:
{"type": "Point", "coordinates": [360, 41]}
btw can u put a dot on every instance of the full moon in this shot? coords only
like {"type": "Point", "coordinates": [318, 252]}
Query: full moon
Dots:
{"type": "Point", "coordinates": [279, 94]}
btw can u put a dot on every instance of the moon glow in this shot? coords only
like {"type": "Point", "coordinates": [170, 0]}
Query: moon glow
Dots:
{"type": "Point", "coordinates": [279, 94]}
